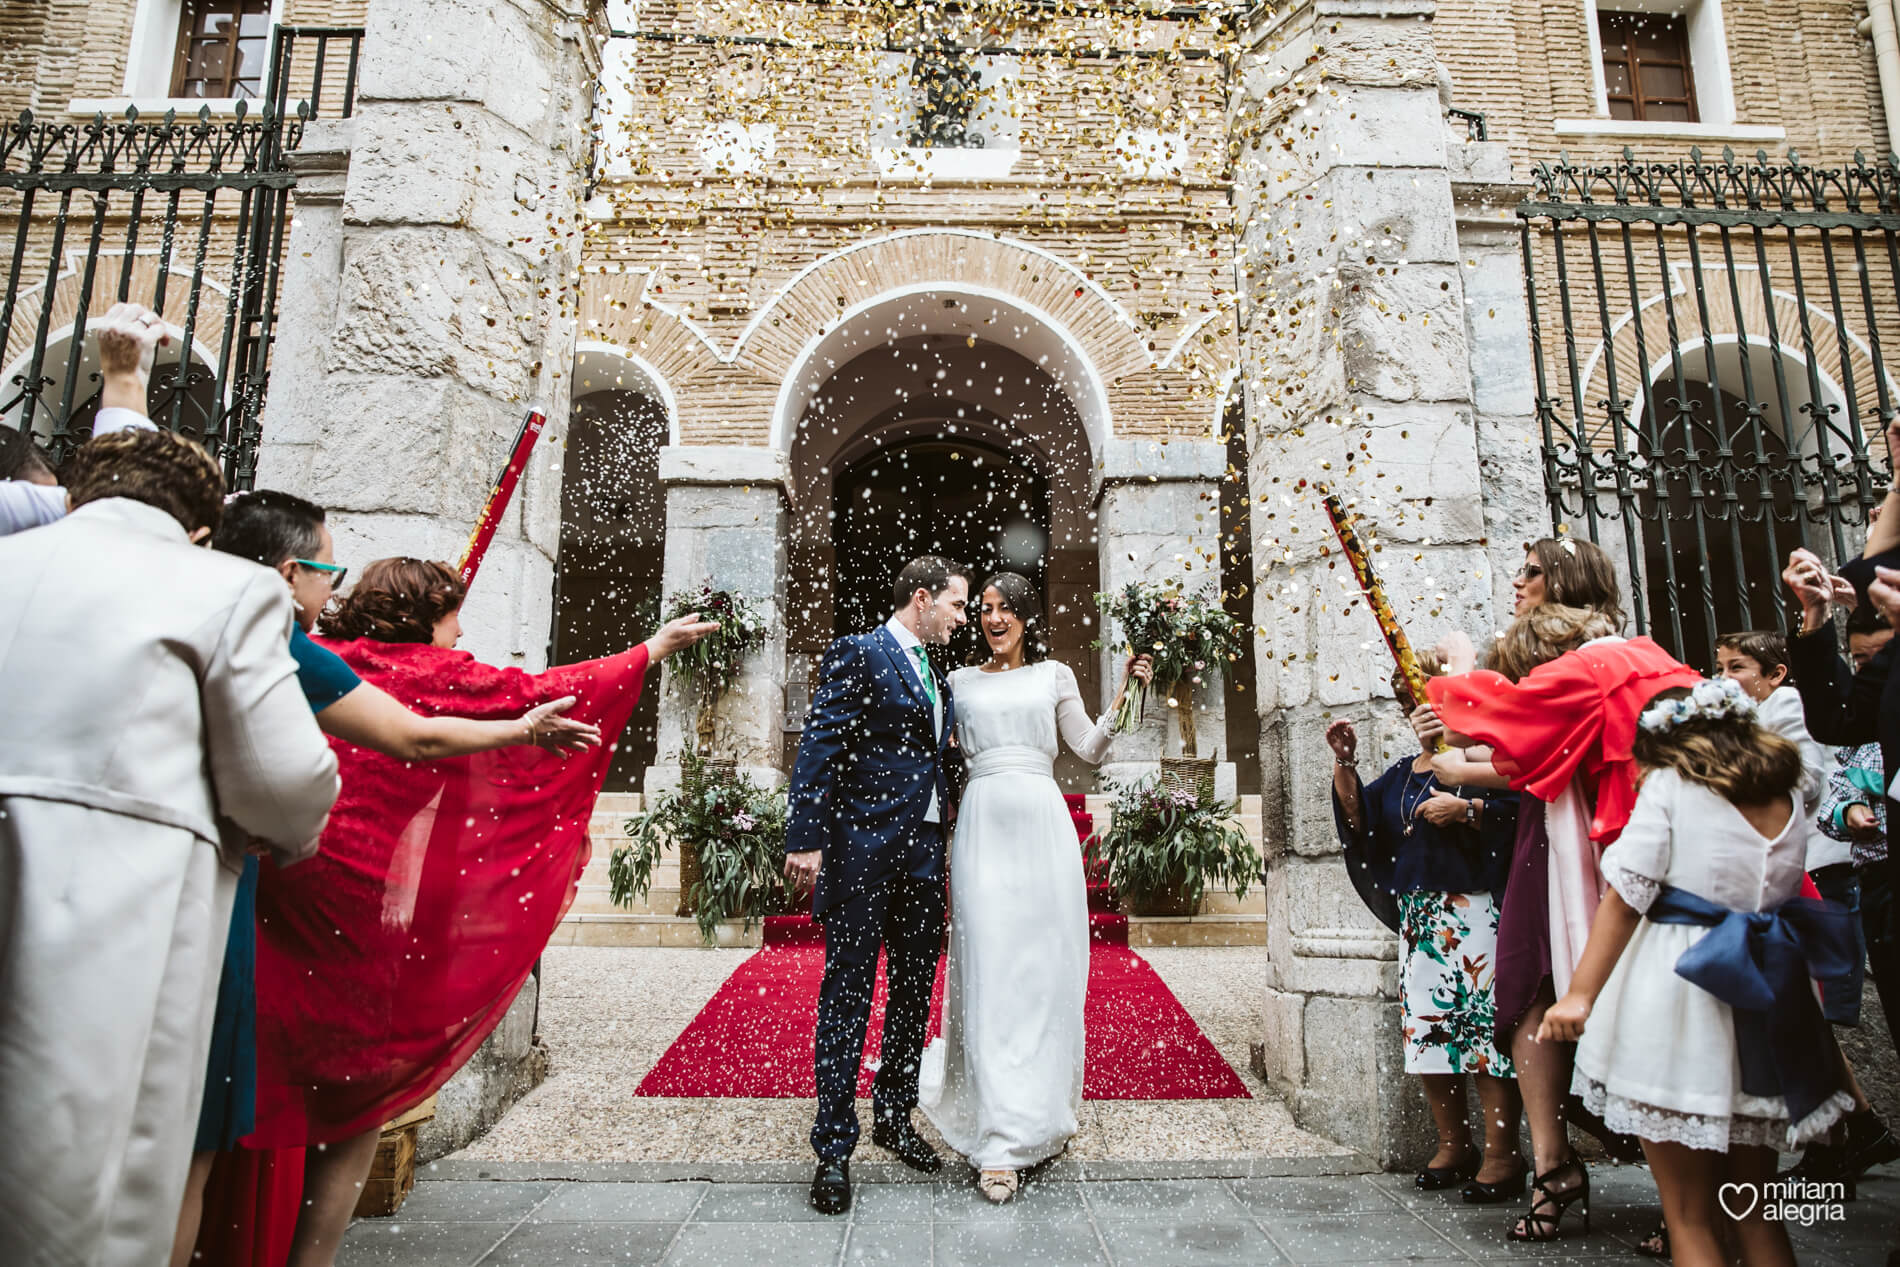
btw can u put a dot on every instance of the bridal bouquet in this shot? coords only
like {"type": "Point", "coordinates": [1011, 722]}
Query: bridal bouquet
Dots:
{"type": "Point", "coordinates": [1185, 635]}
{"type": "Point", "coordinates": [735, 830]}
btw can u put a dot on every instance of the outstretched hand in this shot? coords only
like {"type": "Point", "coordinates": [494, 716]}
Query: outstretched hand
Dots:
{"type": "Point", "coordinates": [128, 338]}
{"type": "Point", "coordinates": [1343, 740]}
{"type": "Point", "coordinates": [677, 635]}
{"type": "Point", "coordinates": [549, 731]}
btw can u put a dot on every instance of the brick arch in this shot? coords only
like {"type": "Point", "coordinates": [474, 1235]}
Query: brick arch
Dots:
{"type": "Point", "coordinates": [207, 334]}
{"type": "Point", "coordinates": [1725, 325]}
{"type": "Point", "coordinates": [813, 302]}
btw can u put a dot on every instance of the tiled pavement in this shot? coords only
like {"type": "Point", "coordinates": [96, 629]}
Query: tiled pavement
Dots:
{"type": "Point", "coordinates": [1066, 1217]}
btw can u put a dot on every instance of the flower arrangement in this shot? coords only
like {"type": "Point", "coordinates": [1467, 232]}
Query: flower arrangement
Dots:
{"type": "Point", "coordinates": [736, 830]}
{"type": "Point", "coordinates": [712, 664]}
{"type": "Point", "coordinates": [1163, 841]}
{"type": "Point", "coordinates": [1186, 636]}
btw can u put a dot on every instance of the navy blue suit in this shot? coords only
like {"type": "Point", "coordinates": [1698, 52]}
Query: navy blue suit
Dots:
{"type": "Point", "coordinates": [868, 761]}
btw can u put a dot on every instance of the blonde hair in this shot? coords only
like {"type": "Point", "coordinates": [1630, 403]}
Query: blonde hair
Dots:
{"type": "Point", "coordinates": [1735, 756]}
{"type": "Point", "coordinates": [1545, 632]}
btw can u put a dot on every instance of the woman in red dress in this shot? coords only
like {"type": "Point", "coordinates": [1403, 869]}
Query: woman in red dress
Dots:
{"type": "Point", "coordinates": [386, 960]}
{"type": "Point", "coordinates": [1559, 709]}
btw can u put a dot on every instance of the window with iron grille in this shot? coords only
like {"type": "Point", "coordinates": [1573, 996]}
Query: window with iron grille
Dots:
{"type": "Point", "coordinates": [1646, 67]}
{"type": "Point", "coordinates": [222, 47]}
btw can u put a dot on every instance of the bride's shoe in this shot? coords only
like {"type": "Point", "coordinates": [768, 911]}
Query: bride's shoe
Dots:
{"type": "Point", "coordinates": [998, 1185]}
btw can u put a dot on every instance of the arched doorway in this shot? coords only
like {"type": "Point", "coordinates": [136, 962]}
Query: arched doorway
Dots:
{"type": "Point", "coordinates": [963, 498]}
{"type": "Point", "coordinates": [1733, 437]}
{"type": "Point", "coordinates": [941, 442]}
{"type": "Point", "coordinates": [182, 394]}
{"type": "Point", "coordinates": [613, 534]}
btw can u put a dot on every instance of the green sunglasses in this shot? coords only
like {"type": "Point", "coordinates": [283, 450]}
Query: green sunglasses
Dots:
{"type": "Point", "coordinates": [336, 571]}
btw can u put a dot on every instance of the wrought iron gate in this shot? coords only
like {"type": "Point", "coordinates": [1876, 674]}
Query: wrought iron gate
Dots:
{"type": "Point", "coordinates": [186, 215]}
{"type": "Point", "coordinates": [1710, 375]}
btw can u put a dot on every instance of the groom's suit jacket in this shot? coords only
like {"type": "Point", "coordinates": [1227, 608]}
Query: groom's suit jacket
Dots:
{"type": "Point", "coordinates": [867, 763]}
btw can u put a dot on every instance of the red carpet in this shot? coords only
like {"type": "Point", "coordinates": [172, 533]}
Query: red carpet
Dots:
{"type": "Point", "coordinates": [755, 1037]}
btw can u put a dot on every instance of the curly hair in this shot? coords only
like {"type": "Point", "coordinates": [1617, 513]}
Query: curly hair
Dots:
{"type": "Point", "coordinates": [1739, 758]}
{"type": "Point", "coordinates": [158, 468]}
{"type": "Point", "coordinates": [1545, 632]}
{"type": "Point", "coordinates": [1019, 599]}
{"type": "Point", "coordinates": [397, 600]}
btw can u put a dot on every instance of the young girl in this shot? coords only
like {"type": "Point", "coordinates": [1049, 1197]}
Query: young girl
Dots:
{"type": "Point", "coordinates": [1718, 832]}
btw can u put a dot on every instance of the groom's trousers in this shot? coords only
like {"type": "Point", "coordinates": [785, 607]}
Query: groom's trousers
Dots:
{"type": "Point", "coordinates": [902, 915]}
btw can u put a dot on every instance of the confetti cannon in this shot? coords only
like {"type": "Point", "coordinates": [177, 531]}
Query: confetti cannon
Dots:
{"type": "Point", "coordinates": [501, 494]}
{"type": "Point", "coordinates": [1395, 639]}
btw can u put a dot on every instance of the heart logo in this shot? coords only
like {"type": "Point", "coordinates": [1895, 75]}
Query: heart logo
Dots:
{"type": "Point", "coordinates": [1738, 1199]}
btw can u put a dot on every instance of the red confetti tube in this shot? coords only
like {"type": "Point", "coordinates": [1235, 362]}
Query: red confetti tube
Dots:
{"type": "Point", "coordinates": [501, 494]}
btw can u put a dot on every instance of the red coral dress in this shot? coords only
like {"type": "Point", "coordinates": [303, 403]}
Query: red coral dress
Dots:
{"type": "Point", "coordinates": [384, 961]}
{"type": "Point", "coordinates": [1562, 735]}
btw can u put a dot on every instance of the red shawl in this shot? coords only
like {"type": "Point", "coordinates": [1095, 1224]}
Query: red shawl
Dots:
{"type": "Point", "coordinates": [384, 961]}
{"type": "Point", "coordinates": [1575, 716]}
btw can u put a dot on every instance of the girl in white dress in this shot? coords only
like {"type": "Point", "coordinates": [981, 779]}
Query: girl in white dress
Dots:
{"type": "Point", "coordinates": [1004, 1082]}
{"type": "Point", "coordinates": [1719, 826]}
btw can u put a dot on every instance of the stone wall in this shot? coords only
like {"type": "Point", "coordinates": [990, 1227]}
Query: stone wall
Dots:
{"type": "Point", "coordinates": [1355, 367]}
{"type": "Point", "coordinates": [427, 301]}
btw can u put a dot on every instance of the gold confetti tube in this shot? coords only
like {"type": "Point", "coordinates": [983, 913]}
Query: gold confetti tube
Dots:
{"type": "Point", "coordinates": [1395, 639]}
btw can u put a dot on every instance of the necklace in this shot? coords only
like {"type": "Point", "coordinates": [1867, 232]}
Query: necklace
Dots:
{"type": "Point", "coordinates": [1410, 816]}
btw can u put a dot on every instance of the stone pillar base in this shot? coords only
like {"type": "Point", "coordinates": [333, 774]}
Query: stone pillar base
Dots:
{"type": "Point", "coordinates": [510, 1064]}
{"type": "Point", "coordinates": [1340, 1066]}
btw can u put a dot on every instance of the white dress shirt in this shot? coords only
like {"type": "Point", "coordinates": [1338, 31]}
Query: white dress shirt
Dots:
{"type": "Point", "coordinates": [906, 640]}
{"type": "Point", "coordinates": [26, 505]}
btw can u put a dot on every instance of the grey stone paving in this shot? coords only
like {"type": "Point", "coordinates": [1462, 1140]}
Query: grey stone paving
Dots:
{"type": "Point", "coordinates": [1364, 1220]}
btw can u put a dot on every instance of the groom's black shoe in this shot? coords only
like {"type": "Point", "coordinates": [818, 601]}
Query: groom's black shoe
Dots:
{"type": "Point", "coordinates": [896, 1135]}
{"type": "Point", "coordinates": [831, 1187]}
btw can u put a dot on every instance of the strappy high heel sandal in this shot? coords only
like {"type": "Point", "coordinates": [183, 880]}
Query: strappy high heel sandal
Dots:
{"type": "Point", "coordinates": [997, 1185]}
{"type": "Point", "coordinates": [1545, 1219]}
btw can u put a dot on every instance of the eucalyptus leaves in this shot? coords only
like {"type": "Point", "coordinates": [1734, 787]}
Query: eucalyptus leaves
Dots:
{"type": "Point", "coordinates": [1165, 841]}
{"type": "Point", "coordinates": [712, 664]}
{"type": "Point", "coordinates": [736, 830]}
{"type": "Point", "coordinates": [1187, 636]}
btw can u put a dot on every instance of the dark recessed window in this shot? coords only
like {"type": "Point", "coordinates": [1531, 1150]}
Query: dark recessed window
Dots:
{"type": "Point", "coordinates": [221, 48]}
{"type": "Point", "coordinates": [1646, 68]}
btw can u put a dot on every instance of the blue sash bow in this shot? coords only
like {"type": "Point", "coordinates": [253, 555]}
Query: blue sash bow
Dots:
{"type": "Point", "coordinates": [1760, 963]}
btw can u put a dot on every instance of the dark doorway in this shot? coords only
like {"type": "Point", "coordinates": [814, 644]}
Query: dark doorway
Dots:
{"type": "Point", "coordinates": [1236, 592]}
{"type": "Point", "coordinates": [960, 498]}
{"type": "Point", "coordinates": [1720, 517]}
{"type": "Point", "coordinates": [613, 542]}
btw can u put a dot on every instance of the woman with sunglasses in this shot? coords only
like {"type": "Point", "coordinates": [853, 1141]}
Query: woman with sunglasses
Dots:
{"type": "Point", "coordinates": [1558, 705]}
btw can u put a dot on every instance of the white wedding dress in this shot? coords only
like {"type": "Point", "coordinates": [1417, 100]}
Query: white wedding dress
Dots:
{"type": "Point", "coordinates": [1004, 1082]}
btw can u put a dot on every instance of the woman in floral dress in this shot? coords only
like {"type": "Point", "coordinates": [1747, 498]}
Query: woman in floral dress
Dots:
{"type": "Point", "coordinates": [1430, 860]}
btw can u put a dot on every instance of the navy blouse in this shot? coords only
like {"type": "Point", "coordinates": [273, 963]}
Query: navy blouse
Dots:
{"type": "Point", "coordinates": [1383, 861]}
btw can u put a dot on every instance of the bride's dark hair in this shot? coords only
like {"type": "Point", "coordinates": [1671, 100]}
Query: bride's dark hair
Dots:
{"type": "Point", "coordinates": [1019, 599]}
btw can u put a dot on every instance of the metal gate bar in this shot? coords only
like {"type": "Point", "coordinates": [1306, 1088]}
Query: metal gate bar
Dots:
{"type": "Point", "coordinates": [1721, 467]}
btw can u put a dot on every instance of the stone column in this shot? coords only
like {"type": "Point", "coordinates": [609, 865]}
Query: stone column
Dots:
{"type": "Point", "coordinates": [1503, 379]}
{"type": "Point", "coordinates": [1357, 376]}
{"type": "Point", "coordinates": [728, 524]}
{"type": "Point", "coordinates": [1158, 519]}
{"type": "Point", "coordinates": [427, 298]}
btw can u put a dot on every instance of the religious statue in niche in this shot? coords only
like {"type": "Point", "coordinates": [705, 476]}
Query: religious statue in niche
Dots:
{"type": "Point", "coordinates": [944, 76]}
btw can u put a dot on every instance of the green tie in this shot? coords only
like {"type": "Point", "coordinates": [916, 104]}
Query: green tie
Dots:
{"type": "Point", "coordinates": [930, 682]}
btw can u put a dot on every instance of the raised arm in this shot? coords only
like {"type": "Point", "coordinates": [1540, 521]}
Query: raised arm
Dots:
{"type": "Point", "coordinates": [1087, 739]}
{"type": "Point", "coordinates": [370, 718]}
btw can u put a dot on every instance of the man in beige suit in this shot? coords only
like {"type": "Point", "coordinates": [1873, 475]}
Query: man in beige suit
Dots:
{"type": "Point", "coordinates": [147, 694]}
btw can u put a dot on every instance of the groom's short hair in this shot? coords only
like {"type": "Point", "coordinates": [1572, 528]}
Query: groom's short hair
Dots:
{"type": "Point", "coordinates": [928, 572]}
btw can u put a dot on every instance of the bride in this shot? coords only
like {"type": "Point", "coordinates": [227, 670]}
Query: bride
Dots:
{"type": "Point", "coordinates": [1004, 1082]}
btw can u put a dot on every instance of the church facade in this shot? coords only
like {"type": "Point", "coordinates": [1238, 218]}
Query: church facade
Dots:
{"type": "Point", "coordinates": [1094, 292]}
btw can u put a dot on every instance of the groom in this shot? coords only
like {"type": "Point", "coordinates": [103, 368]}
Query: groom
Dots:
{"type": "Point", "coordinates": [871, 798]}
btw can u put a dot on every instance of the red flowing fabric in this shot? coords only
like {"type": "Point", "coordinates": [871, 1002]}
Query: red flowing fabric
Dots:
{"type": "Point", "coordinates": [384, 961]}
{"type": "Point", "coordinates": [1574, 716]}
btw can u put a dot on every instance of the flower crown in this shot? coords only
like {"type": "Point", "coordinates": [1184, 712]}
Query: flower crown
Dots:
{"type": "Point", "coordinates": [1707, 700]}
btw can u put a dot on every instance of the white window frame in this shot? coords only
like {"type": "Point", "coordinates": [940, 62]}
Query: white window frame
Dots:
{"type": "Point", "coordinates": [149, 61]}
{"type": "Point", "coordinates": [1708, 62]}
